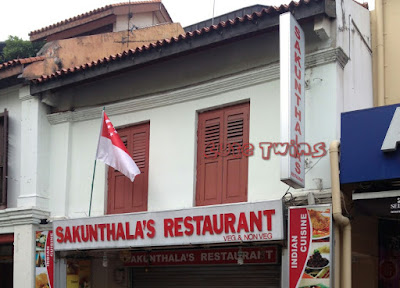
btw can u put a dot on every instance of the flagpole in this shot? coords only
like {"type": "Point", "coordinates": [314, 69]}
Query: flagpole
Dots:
{"type": "Point", "coordinates": [94, 168]}
{"type": "Point", "coordinates": [91, 192]}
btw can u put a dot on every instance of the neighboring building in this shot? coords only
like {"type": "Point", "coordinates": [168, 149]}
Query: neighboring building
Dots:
{"type": "Point", "coordinates": [384, 22]}
{"type": "Point", "coordinates": [369, 160]}
{"type": "Point", "coordinates": [111, 18]}
{"type": "Point", "coordinates": [169, 100]}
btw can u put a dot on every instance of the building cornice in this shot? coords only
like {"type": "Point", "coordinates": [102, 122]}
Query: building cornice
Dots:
{"type": "Point", "coordinates": [224, 84]}
{"type": "Point", "coordinates": [22, 216]}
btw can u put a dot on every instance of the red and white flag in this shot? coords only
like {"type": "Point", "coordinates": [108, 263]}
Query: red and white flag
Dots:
{"type": "Point", "coordinates": [112, 151]}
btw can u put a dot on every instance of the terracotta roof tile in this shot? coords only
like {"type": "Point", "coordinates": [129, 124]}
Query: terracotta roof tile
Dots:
{"type": "Point", "coordinates": [192, 34]}
{"type": "Point", "coordinates": [90, 13]}
{"type": "Point", "coordinates": [15, 62]}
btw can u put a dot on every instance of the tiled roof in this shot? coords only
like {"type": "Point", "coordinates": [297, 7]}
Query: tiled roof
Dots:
{"type": "Point", "coordinates": [162, 43]}
{"type": "Point", "coordinates": [22, 61]}
{"type": "Point", "coordinates": [90, 13]}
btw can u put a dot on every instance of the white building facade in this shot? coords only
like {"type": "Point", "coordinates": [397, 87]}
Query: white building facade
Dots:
{"type": "Point", "coordinates": [167, 92]}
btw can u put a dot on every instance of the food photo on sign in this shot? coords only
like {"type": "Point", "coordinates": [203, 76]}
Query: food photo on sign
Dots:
{"type": "Point", "coordinates": [317, 270]}
{"type": "Point", "coordinates": [321, 222]}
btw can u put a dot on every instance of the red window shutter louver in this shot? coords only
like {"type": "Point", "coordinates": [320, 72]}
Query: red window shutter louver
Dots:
{"type": "Point", "coordinates": [123, 195]}
{"type": "Point", "coordinates": [209, 165]}
{"type": "Point", "coordinates": [221, 168]}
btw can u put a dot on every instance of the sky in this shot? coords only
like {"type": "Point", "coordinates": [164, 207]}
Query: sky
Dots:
{"type": "Point", "coordinates": [18, 18]}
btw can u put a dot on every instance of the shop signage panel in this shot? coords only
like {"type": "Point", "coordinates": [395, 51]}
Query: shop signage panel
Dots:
{"type": "Point", "coordinates": [233, 223]}
{"type": "Point", "coordinates": [292, 98]}
{"type": "Point", "coordinates": [44, 259]}
{"type": "Point", "coordinates": [363, 155]}
{"type": "Point", "coordinates": [310, 243]}
{"type": "Point", "coordinates": [249, 255]}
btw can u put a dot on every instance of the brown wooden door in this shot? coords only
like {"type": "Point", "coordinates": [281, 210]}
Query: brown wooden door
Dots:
{"type": "Point", "coordinates": [123, 195]}
{"type": "Point", "coordinates": [221, 169]}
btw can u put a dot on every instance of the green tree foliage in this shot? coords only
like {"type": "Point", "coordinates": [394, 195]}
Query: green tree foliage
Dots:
{"type": "Point", "coordinates": [16, 48]}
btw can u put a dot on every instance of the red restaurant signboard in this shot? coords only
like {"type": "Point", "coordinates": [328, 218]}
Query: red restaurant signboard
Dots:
{"type": "Point", "coordinates": [249, 255]}
{"type": "Point", "coordinates": [309, 240]}
{"type": "Point", "coordinates": [233, 223]}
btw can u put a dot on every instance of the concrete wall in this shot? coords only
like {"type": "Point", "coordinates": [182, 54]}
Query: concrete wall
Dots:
{"type": "Point", "coordinates": [357, 76]}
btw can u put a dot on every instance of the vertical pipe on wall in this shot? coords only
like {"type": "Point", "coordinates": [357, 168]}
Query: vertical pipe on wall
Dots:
{"type": "Point", "coordinates": [337, 259]}
{"type": "Point", "coordinates": [346, 257]}
{"type": "Point", "coordinates": [380, 50]}
{"type": "Point", "coordinates": [340, 220]}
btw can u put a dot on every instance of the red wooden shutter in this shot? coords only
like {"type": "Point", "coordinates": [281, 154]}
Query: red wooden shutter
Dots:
{"type": "Point", "coordinates": [123, 195]}
{"type": "Point", "coordinates": [223, 178]}
{"type": "Point", "coordinates": [3, 158]}
{"type": "Point", "coordinates": [235, 165]}
{"type": "Point", "coordinates": [209, 166]}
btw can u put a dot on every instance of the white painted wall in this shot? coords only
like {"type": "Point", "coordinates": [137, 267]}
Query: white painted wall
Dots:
{"type": "Point", "coordinates": [357, 75]}
{"type": "Point", "coordinates": [35, 130]}
{"type": "Point", "coordinates": [173, 132]}
{"type": "Point", "coordinates": [24, 256]}
{"type": "Point", "coordinates": [59, 172]}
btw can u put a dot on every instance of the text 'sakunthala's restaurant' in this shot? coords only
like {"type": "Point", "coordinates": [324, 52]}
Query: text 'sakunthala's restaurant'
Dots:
{"type": "Point", "coordinates": [259, 244]}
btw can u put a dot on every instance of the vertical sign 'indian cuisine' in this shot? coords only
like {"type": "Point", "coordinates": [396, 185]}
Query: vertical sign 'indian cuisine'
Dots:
{"type": "Point", "coordinates": [310, 237]}
{"type": "Point", "coordinates": [44, 260]}
{"type": "Point", "coordinates": [292, 99]}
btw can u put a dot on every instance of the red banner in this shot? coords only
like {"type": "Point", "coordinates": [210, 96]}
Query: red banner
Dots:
{"type": "Point", "coordinates": [44, 261]}
{"type": "Point", "coordinates": [50, 257]}
{"type": "Point", "coordinates": [249, 255]}
{"type": "Point", "coordinates": [310, 246]}
{"type": "Point", "coordinates": [299, 243]}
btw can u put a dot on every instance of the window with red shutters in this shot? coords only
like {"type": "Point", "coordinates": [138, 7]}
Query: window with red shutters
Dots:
{"type": "Point", "coordinates": [123, 195]}
{"type": "Point", "coordinates": [222, 177]}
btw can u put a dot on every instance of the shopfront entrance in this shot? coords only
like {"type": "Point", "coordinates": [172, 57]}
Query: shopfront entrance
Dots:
{"type": "Point", "coordinates": [236, 245]}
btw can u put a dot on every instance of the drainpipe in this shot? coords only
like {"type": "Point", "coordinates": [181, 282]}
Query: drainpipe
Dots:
{"type": "Point", "coordinates": [337, 256]}
{"type": "Point", "coordinates": [380, 50]}
{"type": "Point", "coordinates": [342, 224]}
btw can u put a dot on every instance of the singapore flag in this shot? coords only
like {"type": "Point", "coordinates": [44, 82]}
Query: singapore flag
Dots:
{"type": "Point", "coordinates": [112, 151]}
